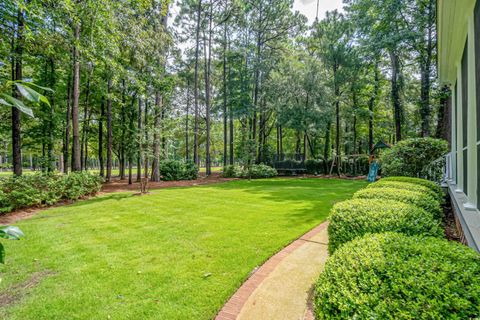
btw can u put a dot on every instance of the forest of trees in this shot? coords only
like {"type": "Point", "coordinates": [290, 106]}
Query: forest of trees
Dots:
{"type": "Point", "coordinates": [215, 82]}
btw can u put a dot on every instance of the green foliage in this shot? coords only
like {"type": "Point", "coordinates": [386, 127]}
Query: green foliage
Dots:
{"type": "Point", "coordinates": [412, 157]}
{"type": "Point", "coordinates": [79, 184]}
{"type": "Point", "coordinates": [256, 171]}
{"type": "Point", "coordinates": [426, 183]}
{"type": "Point", "coordinates": [259, 171]}
{"type": "Point", "coordinates": [45, 189]}
{"type": "Point", "coordinates": [355, 218]}
{"type": "Point", "coordinates": [314, 166]}
{"type": "Point", "coordinates": [27, 93]}
{"type": "Point", "coordinates": [182, 234]}
{"type": "Point", "coordinates": [422, 200]}
{"type": "Point", "coordinates": [407, 186]}
{"type": "Point", "coordinates": [9, 233]}
{"type": "Point", "coordinates": [393, 276]}
{"type": "Point", "coordinates": [174, 170]}
{"type": "Point", "coordinates": [232, 171]}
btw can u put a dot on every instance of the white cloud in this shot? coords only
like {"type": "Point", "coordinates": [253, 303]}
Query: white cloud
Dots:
{"type": "Point", "coordinates": [309, 7]}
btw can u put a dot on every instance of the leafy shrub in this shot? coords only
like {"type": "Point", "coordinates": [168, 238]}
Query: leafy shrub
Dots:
{"type": "Point", "coordinates": [173, 170]}
{"type": "Point", "coordinates": [354, 218]}
{"type": "Point", "coordinates": [259, 171]}
{"type": "Point", "coordinates": [412, 157]}
{"type": "Point", "coordinates": [393, 276]}
{"type": "Point", "coordinates": [406, 186]}
{"type": "Point", "coordinates": [426, 183]}
{"type": "Point", "coordinates": [79, 184]}
{"type": "Point", "coordinates": [232, 171]}
{"type": "Point", "coordinates": [420, 199]}
{"type": "Point", "coordinates": [190, 171]}
{"type": "Point", "coordinates": [45, 189]}
{"type": "Point", "coordinates": [314, 166]}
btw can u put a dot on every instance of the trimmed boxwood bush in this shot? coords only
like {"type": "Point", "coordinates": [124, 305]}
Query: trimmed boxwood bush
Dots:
{"type": "Point", "coordinates": [422, 200]}
{"type": "Point", "coordinates": [232, 171]}
{"type": "Point", "coordinates": [354, 218]}
{"type": "Point", "coordinates": [259, 171]}
{"type": "Point", "coordinates": [45, 189]}
{"type": "Point", "coordinates": [426, 183]}
{"type": "Point", "coordinates": [255, 171]}
{"type": "Point", "coordinates": [173, 170]}
{"type": "Point", "coordinates": [412, 157]}
{"type": "Point", "coordinates": [393, 276]}
{"type": "Point", "coordinates": [406, 186]}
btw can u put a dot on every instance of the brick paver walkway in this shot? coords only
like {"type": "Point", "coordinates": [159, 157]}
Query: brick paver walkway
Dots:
{"type": "Point", "coordinates": [280, 289]}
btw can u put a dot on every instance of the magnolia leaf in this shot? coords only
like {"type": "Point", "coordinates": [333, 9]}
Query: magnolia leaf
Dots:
{"type": "Point", "coordinates": [5, 103]}
{"type": "Point", "coordinates": [18, 104]}
{"type": "Point", "coordinates": [11, 233]}
{"type": "Point", "coordinates": [31, 94]}
{"type": "Point", "coordinates": [31, 84]}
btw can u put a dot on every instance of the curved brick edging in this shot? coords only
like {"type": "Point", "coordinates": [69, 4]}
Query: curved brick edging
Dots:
{"type": "Point", "coordinates": [231, 310]}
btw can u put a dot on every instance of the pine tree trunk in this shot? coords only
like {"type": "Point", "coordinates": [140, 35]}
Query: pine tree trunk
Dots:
{"type": "Point", "coordinates": [76, 161]}
{"type": "Point", "coordinates": [51, 124]}
{"type": "Point", "coordinates": [146, 144]}
{"type": "Point", "coordinates": [66, 143]}
{"type": "Point", "coordinates": [197, 50]}
{"type": "Point", "coordinates": [139, 141]}
{"type": "Point", "coordinates": [187, 146]}
{"type": "Point", "coordinates": [16, 114]}
{"type": "Point", "coordinates": [208, 63]}
{"type": "Point", "coordinates": [326, 149]}
{"type": "Point", "coordinates": [109, 131]}
{"type": "Point", "coordinates": [100, 137]}
{"type": "Point", "coordinates": [225, 115]}
{"type": "Point", "coordinates": [426, 72]}
{"type": "Point", "coordinates": [371, 107]}
{"type": "Point", "coordinates": [156, 139]}
{"type": "Point", "coordinates": [395, 94]}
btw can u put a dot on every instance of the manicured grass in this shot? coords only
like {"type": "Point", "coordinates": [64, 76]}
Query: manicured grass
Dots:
{"type": "Point", "coordinates": [174, 254]}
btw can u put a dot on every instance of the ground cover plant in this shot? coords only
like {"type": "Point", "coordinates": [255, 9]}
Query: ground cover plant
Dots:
{"type": "Point", "coordinates": [393, 276]}
{"type": "Point", "coordinates": [173, 254]}
{"type": "Point", "coordinates": [355, 218]}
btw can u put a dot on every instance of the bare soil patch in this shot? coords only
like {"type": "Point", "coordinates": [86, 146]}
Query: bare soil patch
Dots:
{"type": "Point", "coordinates": [18, 291]}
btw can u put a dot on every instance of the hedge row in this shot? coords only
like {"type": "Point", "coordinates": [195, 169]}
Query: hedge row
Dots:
{"type": "Point", "coordinates": [358, 217]}
{"type": "Point", "coordinates": [417, 198]}
{"type": "Point", "coordinates": [45, 189]}
{"type": "Point", "coordinates": [256, 171]}
{"type": "Point", "coordinates": [389, 260]}
{"type": "Point", "coordinates": [393, 276]}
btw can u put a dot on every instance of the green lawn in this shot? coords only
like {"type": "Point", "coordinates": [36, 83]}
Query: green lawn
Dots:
{"type": "Point", "coordinates": [174, 254]}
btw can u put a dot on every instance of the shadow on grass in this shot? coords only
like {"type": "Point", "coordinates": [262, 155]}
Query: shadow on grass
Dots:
{"type": "Point", "coordinates": [321, 194]}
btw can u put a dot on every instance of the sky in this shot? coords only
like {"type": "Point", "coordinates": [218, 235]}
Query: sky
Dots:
{"type": "Point", "coordinates": [309, 7]}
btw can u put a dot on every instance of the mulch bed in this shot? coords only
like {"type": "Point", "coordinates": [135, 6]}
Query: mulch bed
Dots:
{"type": "Point", "coordinates": [450, 223]}
{"type": "Point", "coordinates": [116, 185]}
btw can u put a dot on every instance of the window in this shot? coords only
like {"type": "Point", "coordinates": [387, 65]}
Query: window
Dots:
{"type": "Point", "coordinates": [454, 133]}
{"type": "Point", "coordinates": [465, 116]}
{"type": "Point", "coordinates": [477, 90]}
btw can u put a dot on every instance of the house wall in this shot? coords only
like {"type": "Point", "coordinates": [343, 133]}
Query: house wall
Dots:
{"type": "Point", "coordinates": [462, 29]}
